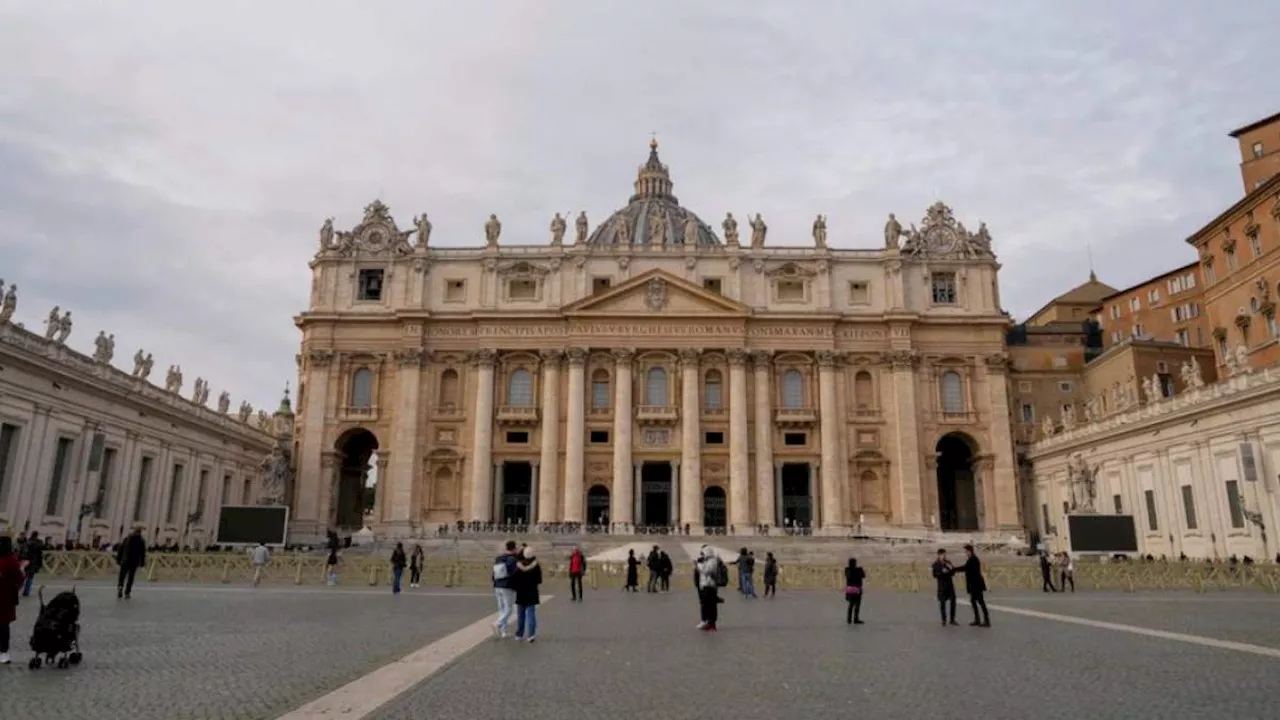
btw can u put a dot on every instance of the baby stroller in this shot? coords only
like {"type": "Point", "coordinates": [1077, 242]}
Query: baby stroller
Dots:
{"type": "Point", "coordinates": [56, 636]}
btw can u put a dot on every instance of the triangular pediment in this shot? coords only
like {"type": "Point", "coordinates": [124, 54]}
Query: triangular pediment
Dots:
{"type": "Point", "coordinates": [657, 292]}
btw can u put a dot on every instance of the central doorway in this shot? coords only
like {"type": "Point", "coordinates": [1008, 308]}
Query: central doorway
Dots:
{"type": "Point", "coordinates": [797, 495]}
{"type": "Point", "coordinates": [598, 505]}
{"type": "Point", "coordinates": [714, 508]}
{"type": "Point", "coordinates": [655, 494]}
{"type": "Point", "coordinates": [517, 494]}
{"type": "Point", "coordinates": [357, 448]}
{"type": "Point", "coordinates": [957, 492]}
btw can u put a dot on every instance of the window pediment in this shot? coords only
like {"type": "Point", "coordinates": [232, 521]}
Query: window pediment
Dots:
{"type": "Point", "coordinates": [791, 270]}
{"type": "Point", "coordinates": [523, 270]}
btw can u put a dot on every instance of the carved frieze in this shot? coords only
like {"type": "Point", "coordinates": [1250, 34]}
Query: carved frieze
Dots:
{"type": "Point", "coordinates": [320, 358]}
{"type": "Point", "coordinates": [523, 270]}
{"type": "Point", "coordinates": [791, 270]}
{"type": "Point", "coordinates": [376, 236]}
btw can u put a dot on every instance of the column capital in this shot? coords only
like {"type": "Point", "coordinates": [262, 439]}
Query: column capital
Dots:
{"type": "Point", "coordinates": [690, 356]}
{"type": "Point", "coordinates": [552, 356]}
{"type": "Point", "coordinates": [737, 357]}
{"type": "Point", "coordinates": [623, 355]}
{"type": "Point", "coordinates": [484, 357]}
{"type": "Point", "coordinates": [577, 356]}
{"type": "Point", "coordinates": [827, 359]}
{"type": "Point", "coordinates": [997, 362]}
{"type": "Point", "coordinates": [409, 357]}
{"type": "Point", "coordinates": [320, 358]}
{"type": "Point", "coordinates": [902, 359]}
{"type": "Point", "coordinates": [761, 359]}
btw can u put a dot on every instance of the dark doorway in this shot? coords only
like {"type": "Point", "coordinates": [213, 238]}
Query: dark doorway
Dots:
{"type": "Point", "coordinates": [797, 495]}
{"type": "Point", "coordinates": [517, 494]}
{"type": "Point", "coordinates": [356, 449]}
{"type": "Point", "coordinates": [655, 494]}
{"type": "Point", "coordinates": [714, 508]}
{"type": "Point", "coordinates": [598, 505]}
{"type": "Point", "coordinates": [957, 493]}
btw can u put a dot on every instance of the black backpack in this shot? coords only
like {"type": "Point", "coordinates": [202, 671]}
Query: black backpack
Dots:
{"type": "Point", "coordinates": [722, 573]}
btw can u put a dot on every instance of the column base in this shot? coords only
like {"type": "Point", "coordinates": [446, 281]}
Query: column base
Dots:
{"type": "Point", "coordinates": [307, 532]}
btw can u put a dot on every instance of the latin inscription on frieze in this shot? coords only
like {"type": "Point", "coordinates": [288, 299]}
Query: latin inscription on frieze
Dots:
{"type": "Point", "coordinates": [520, 331]}
{"type": "Point", "coordinates": [655, 329]}
{"type": "Point", "coordinates": [861, 333]}
{"type": "Point", "coordinates": [801, 331]}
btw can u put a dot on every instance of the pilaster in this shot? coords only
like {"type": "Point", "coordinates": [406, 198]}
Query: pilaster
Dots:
{"type": "Point", "coordinates": [482, 439]}
{"type": "Point", "coordinates": [397, 486]}
{"type": "Point", "coordinates": [766, 493]}
{"type": "Point", "coordinates": [622, 499]}
{"type": "Point", "coordinates": [549, 474]}
{"type": "Point", "coordinates": [313, 485]}
{"type": "Point", "coordinates": [1002, 497]}
{"type": "Point", "coordinates": [739, 480]}
{"type": "Point", "coordinates": [828, 417]}
{"type": "Point", "coordinates": [574, 492]}
{"type": "Point", "coordinates": [690, 442]}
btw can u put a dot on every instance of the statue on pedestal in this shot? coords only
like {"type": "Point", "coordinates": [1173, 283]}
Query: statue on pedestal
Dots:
{"type": "Point", "coordinates": [820, 232]}
{"type": "Point", "coordinates": [64, 328]}
{"type": "Point", "coordinates": [326, 234]}
{"type": "Point", "coordinates": [730, 230]}
{"type": "Point", "coordinates": [657, 229]}
{"type": "Point", "coordinates": [758, 232]}
{"type": "Point", "coordinates": [1069, 417]}
{"type": "Point", "coordinates": [52, 324]}
{"type": "Point", "coordinates": [580, 228]}
{"type": "Point", "coordinates": [691, 231]}
{"type": "Point", "coordinates": [105, 347]}
{"type": "Point", "coordinates": [244, 412]}
{"type": "Point", "coordinates": [276, 477]}
{"type": "Point", "coordinates": [9, 304]}
{"type": "Point", "coordinates": [492, 230]}
{"type": "Point", "coordinates": [892, 233]}
{"type": "Point", "coordinates": [1084, 484]}
{"type": "Point", "coordinates": [224, 402]}
{"type": "Point", "coordinates": [424, 229]}
{"type": "Point", "coordinates": [1046, 427]}
{"type": "Point", "coordinates": [558, 226]}
{"type": "Point", "coordinates": [173, 379]}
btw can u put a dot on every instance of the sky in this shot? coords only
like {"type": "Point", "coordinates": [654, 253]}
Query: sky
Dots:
{"type": "Point", "coordinates": [165, 167]}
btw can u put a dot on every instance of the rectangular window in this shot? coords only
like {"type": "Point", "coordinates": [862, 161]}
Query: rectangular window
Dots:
{"type": "Point", "coordinates": [8, 458]}
{"type": "Point", "coordinates": [714, 438]}
{"type": "Point", "coordinates": [1231, 260]}
{"type": "Point", "coordinates": [1115, 311]}
{"type": "Point", "coordinates": [61, 466]}
{"type": "Point", "coordinates": [1153, 523]}
{"type": "Point", "coordinates": [1028, 413]}
{"type": "Point", "coordinates": [1209, 274]}
{"type": "Point", "coordinates": [1255, 245]}
{"type": "Point", "coordinates": [1189, 506]}
{"type": "Point", "coordinates": [1118, 504]}
{"type": "Point", "coordinates": [1135, 304]}
{"type": "Point", "coordinates": [105, 478]}
{"type": "Point", "coordinates": [369, 285]}
{"type": "Point", "coordinates": [599, 437]}
{"type": "Point", "coordinates": [600, 394]}
{"type": "Point", "coordinates": [713, 395]}
{"type": "Point", "coordinates": [1189, 281]}
{"type": "Point", "coordinates": [600, 284]}
{"type": "Point", "coordinates": [518, 437]}
{"type": "Point", "coordinates": [1139, 331]}
{"type": "Point", "coordinates": [1065, 386]}
{"type": "Point", "coordinates": [175, 491]}
{"type": "Point", "coordinates": [1045, 526]}
{"type": "Point", "coordinates": [859, 293]}
{"type": "Point", "coordinates": [794, 439]}
{"type": "Point", "coordinates": [1183, 337]}
{"type": "Point", "coordinates": [226, 489]}
{"type": "Point", "coordinates": [522, 289]}
{"type": "Point", "coordinates": [943, 288]}
{"type": "Point", "coordinates": [712, 285]}
{"type": "Point", "coordinates": [1257, 150]}
{"type": "Point", "coordinates": [455, 290]}
{"type": "Point", "coordinates": [140, 498]}
{"type": "Point", "coordinates": [1153, 297]}
{"type": "Point", "coordinates": [1234, 505]}
{"type": "Point", "coordinates": [790, 290]}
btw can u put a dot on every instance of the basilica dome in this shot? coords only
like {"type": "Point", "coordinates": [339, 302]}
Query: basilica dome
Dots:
{"type": "Point", "coordinates": [653, 216]}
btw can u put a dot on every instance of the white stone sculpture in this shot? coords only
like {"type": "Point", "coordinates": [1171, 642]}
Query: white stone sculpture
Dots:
{"type": "Point", "coordinates": [758, 232]}
{"type": "Point", "coordinates": [197, 390]}
{"type": "Point", "coordinates": [492, 230]}
{"type": "Point", "coordinates": [326, 234]}
{"type": "Point", "coordinates": [64, 328]}
{"type": "Point", "coordinates": [892, 233]}
{"type": "Point", "coordinates": [9, 304]}
{"type": "Point", "coordinates": [558, 226]}
{"type": "Point", "coordinates": [1149, 389]}
{"type": "Point", "coordinates": [1083, 484]}
{"type": "Point", "coordinates": [657, 229]}
{"type": "Point", "coordinates": [424, 230]}
{"type": "Point", "coordinates": [52, 324]}
{"type": "Point", "coordinates": [264, 420]}
{"type": "Point", "coordinates": [820, 232]}
{"type": "Point", "coordinates": [276, 476]}
{"type": "Point", "coordinates": [1047, 428]}
{"type": "Point", "coordinates": [580, 228]}
{"type": "Point", "coordinates": [1089, 413]}
{"type": "Point", "coordinates": [691, 231]}
{"type": "Point", "coordinates": [730, 230]}
{"type": "Point", "coordinates": [1241, 365]}
{"type": "Point", "coordinates": [173, 379]}
{"type": "Point", "coordinates": [244, 412]}
{"type": "Point", "coordinates": [224, 402]}
{"type": "Point", "coordinates": [1069, 417]}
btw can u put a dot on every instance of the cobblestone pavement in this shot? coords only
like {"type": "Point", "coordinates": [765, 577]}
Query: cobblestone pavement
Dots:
{"type": "Point", "coordinates": [175, 652]}
{"type": "Point", "coordinates": [638, 656]}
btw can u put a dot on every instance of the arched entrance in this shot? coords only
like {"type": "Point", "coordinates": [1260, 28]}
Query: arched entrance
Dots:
{"type": "Point", "coordinates": [355, 448]}
{"type": "Point", "coordinates": [714, 508]}
{"type": "Point", "coordinates": [957, 491]}
{"type": "Point", "coordinates": [598, 505]}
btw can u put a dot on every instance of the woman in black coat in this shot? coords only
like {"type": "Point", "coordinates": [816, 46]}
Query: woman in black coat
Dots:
{"type": "Point", "coordinates": [976, 585]}
{"type": "Point", "coordinates": [527, 579]}
{"type": "Point", "coordinates": [853, 577]}
{"type": "Point", "coordinates": [633, 572]}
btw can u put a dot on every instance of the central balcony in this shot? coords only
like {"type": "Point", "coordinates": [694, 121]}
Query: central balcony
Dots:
{"type": "Point", "coordinates": [657, 414]}
{"type": "Point", "coordinates": [795, 417]}
{"type": "Point", "coordinates": [358, 414]}
{"type": "Point", "coordinates": [517, 415]}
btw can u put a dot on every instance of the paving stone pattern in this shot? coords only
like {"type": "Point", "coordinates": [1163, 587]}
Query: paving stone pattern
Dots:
{"type": "Point", "coordinates": [638, 656]}
{"type": "Point", "coordinates": [178, 652]}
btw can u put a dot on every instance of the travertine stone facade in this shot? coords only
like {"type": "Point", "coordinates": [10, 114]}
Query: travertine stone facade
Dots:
{"type": "Point", "coordinates": [167, 463]}
{"type": "Point", "coordinates": [1197, 470]}
{"type": "Point", "coordinates": [649, 372]}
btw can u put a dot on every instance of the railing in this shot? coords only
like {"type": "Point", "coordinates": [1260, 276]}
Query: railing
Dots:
{"type": "Point", "coordinates": [657, 413]}
{"type": "Point", "coordinates": [518, 415]}
{"type": "Point", "coordinates": [368, 414]}
{"type": "Point", "coordinates": [447, 412]}
{"type": "Point", "coordinates": [717, 413]}
{"type": "Point", "coordinates": [600, 411]}
{"type": "Point", "coordinates": [310, 569]}
{"type": "Point", "coordinates": [966, 416]}
{"type": "Point", "coordinates": [865, 414]}
{"type": "Point", "coordinates": [795, 416]}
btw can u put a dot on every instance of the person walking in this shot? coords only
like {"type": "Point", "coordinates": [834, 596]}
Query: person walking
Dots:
{"type": "Point", "coordinates": [976, 586]}
{"type": "Point", "coordinates": [709, 575]}
{"type": "Point", "coordinates": [945, 573]}
{"type": "Point", "coordinates": [654, 564]}
{"type": "Point", "coordinates": [665, 568]}
{"type": "Point", "coordinates": [331, 567]}
{"type": "Point", "coordinates": [398, 561]}
{"type": "Point", "coordinates": [131, 556]}
{"type": "Point", "coordinates": [259, 556]}
{"type": "Point", "coordinates": [504, 570]}
{"type": "Point", "coordinates": [633, 572]}
{"type": "Point", "coordinates": [417, 561]}
{"type": "Point", "coordinates": [577, 568]}
{"type": "Point", "coordinates": [770, 575]}
{"type": "Point", "coordinates": [749, 575]}
{"type": "Point", "coordinates": [1046, 573]}
{"type": "Point", "coordinates": [853, 578]}
{"type": "Point", "coordinates": [528, 578]}
{"type": "Point", "coordinates": [35, 561]}
{"type": "Point", "coordinates": [11, 581]}
{"type": "Point", "coordinates": [1066, 572]}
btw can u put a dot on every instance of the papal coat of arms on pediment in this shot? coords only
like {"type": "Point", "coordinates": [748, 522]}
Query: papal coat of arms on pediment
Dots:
{"type": "Point", "coordinates": [655, 294]}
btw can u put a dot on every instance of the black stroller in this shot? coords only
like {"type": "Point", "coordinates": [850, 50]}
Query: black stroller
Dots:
{"type": "Point", "coordinates": [56, 636]}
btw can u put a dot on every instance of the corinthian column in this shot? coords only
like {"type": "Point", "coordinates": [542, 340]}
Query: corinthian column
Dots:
{"type": "Point", "coordinates": [766, 512]}
{"type": "Point", "coordinates": [623, 502]}
{"type": "Point", "coordinates": [690, 442]}
{"type": "Point", "coordinates": [549, 475]}
{"type": "Point", "coordinates": [577, 429]}
{"type": "Point", "coordinates": [739, 476]}
{"type": "Point", "coordinates": [397, 496]}
{"type": "Point", "coordinates": [829, 417]}
{"type": "Point", "coordinates": [482, 439]}
{"type": "Point", "coordinates": [310, 498]}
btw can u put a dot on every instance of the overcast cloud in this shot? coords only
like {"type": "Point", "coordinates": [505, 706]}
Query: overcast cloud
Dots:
{"type": "Point", "coordinates": [164, 169]}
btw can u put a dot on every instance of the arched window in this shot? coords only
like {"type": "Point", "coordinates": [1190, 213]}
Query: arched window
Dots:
{"type": "Point", "coordinates": [362, 388]}
{"type": "Point", "coordinates": [952, 392]}
{"type": "Point", "coordinates": [520, 388]}
{"type": "Point", "coordinates": [713, 391]}
{"type": "Point", "coordinates": [863, 391]}
{"type": "Point", "coordinates": [792, 389]}
{"type": "Point", "coordinates": [655, 387]}
{"type": "Point", "coordinates": [600, 396]}
{"type": "Point", "coordinates": [448, 388]}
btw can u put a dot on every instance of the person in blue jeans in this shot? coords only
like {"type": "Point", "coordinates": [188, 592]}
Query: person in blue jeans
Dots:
{"type": "Point", "coordinates": [398, 561]}
{"type": "Point", "coordinates": [528, 578]}
{"type": "Point", "coordinates": [34, 555]}
{"type": "Point", "coordinates": [504, 571]}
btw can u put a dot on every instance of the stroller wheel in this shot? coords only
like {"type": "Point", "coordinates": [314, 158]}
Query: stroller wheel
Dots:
{"type": "Point", "coordinates": [75, 658]}
{"type": "Point", "coordinates": [35, 663]}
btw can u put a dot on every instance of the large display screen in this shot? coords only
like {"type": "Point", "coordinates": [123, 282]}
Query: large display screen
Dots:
{"type": "Point", "coordinates": [251, 524]}
{"type": "Point", "coordinates": [1103, 533]}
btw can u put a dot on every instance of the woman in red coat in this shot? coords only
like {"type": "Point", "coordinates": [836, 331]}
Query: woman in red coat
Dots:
{"type": "Point", "coordinates": [11, 579]}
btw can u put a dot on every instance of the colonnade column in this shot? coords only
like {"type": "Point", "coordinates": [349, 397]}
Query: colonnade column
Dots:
{"type": "Point", "coordinates": [739, 477]}
{"type": "Point", "coordinates": [549, 472]}
{"type": "Point", "coordinates": [766, 510]}
{"type": "Point", "coordinates": [577, 429]}
{"type": "Point", "coordinates": [690, 442]}
{"type": "Point", "coordinates": [482, 439]}
{"type": "Point", "coordinates": [830, 438]}
{"type": "Point", "coordinates": [311, 498]}
{"type": "Point", "coordinates": [622, 496]}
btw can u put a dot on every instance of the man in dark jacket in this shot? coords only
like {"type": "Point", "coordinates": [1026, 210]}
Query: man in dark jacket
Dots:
{"type": "Point", "coordinates": [35, 561]}
{"type": "Point", "coordinates": [504, 570]}
{"type": "Point", "coordinates": [1046, 573]}
{"type": "Point", "coordinates": [131, 556]}
{"type": "Point", "coordinates": [976, 585]}
{"type": "Point", "coordinates": [654, 564]}
{"type": "Point", "coordinates": [944, 572]}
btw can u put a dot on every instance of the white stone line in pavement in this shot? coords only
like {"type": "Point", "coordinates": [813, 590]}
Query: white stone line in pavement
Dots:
{"type": "Point", "coordinates": [1138, 630]}
{"type": "Point", "coordinates": [361, 697]}
{"type": "Point", "coordinates": [692, 550]}
{"type": "Point", "coordinates": [619, 553]}
{"type": "Point", "coordinates": [144, 591]}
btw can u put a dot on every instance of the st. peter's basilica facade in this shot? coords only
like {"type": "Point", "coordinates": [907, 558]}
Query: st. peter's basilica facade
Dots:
{"type": "Point", "coordinates": [654, 370]}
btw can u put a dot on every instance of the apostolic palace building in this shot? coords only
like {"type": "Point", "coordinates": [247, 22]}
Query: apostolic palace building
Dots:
{"type": "Point", "coordinates": [653, 369]}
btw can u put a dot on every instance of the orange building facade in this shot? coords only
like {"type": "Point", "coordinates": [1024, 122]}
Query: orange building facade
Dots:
{"type": "Point", "coordinates": [1168, 307]}
{"type": "Point", "coordinates": [1259, 151]}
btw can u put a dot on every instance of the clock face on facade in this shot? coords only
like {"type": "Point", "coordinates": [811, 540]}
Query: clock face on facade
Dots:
{"type": "Point", "coordinates": [942, 240]}
{"type": "Point", "coordinates": [375, 239]}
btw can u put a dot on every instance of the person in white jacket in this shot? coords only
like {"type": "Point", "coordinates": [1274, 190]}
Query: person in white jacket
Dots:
{"type": "Point", "coordinates": [708, 573]}
{"type": "Point", "coordinates": [259, 556]}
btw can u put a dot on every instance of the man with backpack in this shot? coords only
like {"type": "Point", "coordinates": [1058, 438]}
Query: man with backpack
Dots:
{"type": "Point", "coordinates": [709, 575]}
{"type": "Point", "coordinates": [504, 570]}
